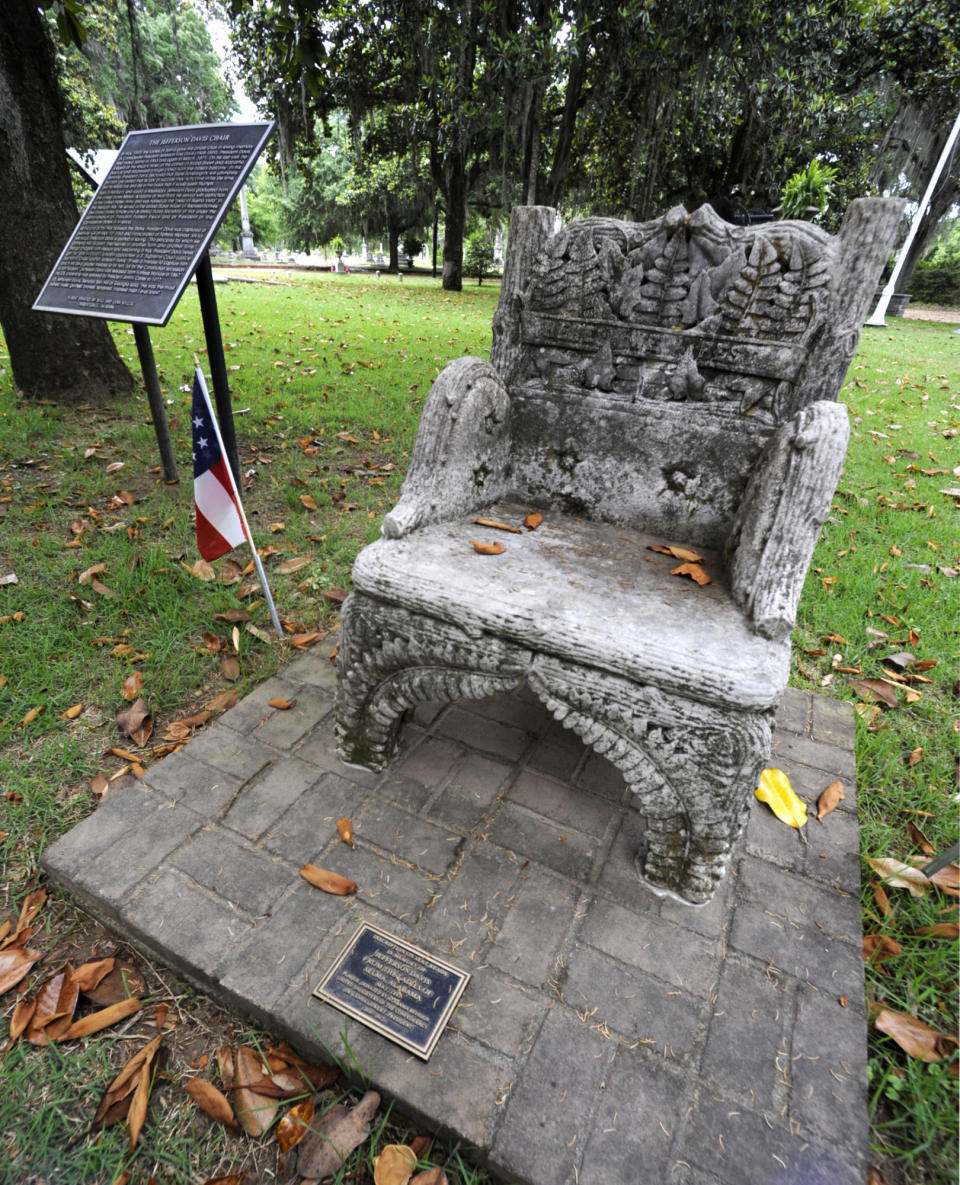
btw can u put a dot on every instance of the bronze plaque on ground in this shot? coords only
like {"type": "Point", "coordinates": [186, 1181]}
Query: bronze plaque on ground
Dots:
{"type": "Point", "coordinates": [139, 241]}
{"type": "Point", "coordinates": [395, 988]}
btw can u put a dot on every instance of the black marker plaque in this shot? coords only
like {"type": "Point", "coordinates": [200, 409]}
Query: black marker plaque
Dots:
{"type": "Point", "coordinates": [151, 221]}
{"type": "Point", "coordinates": [394, 988]}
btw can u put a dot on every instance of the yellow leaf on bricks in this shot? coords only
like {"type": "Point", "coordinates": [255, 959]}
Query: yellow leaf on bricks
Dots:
{"type": "Point", "coordinates": [775, 790]}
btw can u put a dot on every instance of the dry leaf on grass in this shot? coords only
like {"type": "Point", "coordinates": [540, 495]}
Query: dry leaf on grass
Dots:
{"type": "Point", "coordinates": [230, 669]}
{"type": "Point", "coordinates": [875, 690]}
{"type": "Point", "coordinates": [255, 1111]}
{"type": "Point", "coordinates": [878, 948]}
{"type": "Point", "coordinates": [939, 930]}
{"type": "Point", "coordinates": [920, 839]}
{"type": "Point", "coordinates": [118, 1096]}
{"type": "Point", "coordinates": [136, 721]}
{"type": "Point", "coordinates": [213, 1102]}
{"type": "Point", "coordinates": [914, 1036]}
{"type": "Point", "coordinates": [103, 1019]}
{"type": "Point", "coordinates": [122, 982]}
{"type": "Point", "coordinates": [484, 548]}
{"type": "Point", "coordinates": [132, 685]}
{"type": "Point", "coordinates": [15, 962]}
{"type": "Point", "coordinates": [329, 882]}
{"type": "Point", "coordinates": [72, 713]}
{"type": "Point", "coordinates": [29, 908]}
{"type": "Point", "coordinates": [898, 875]}
{"type": "Point", "coordinates": [223, 701]}
{"type": "Point", "coordinates": [55, 1000]}
{"type": "Point", "coordinates": [334, 1136]}
{"type": "Point", "coordinates": [430, 1177]}
{"type": "Point", "coordinates": [294, 1125]}
{"type": "Point", "coordinates": [345, 831]}
{"type": "Point", "coordinates": [394, 1165]}
{"type": "Point", "coordinates": [829, 799]}
{"type": "Point", "coordinates": [294, 564]}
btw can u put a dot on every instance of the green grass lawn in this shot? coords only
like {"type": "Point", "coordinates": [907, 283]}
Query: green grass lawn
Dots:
{"type": "Point", "coordinates": [329, 375]}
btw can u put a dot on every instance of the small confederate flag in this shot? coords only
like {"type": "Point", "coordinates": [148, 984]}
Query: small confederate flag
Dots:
{"type": "Point", "coordinates": [220, 523]}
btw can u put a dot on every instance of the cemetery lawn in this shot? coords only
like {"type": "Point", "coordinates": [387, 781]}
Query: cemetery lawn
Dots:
{"type": "Point", "coordinates": [329, 375]}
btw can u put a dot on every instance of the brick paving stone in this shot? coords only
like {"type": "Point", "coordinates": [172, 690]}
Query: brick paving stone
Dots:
{"type": "Point", "coordinates": [500, 1013]}
{"type": "Point", "coordinates": [254, 708]}
{"type": "Point", "coordinates": [192, 783]}
{"type": "Point", "coordinates": [416, 840]}
{"type": "Point", "coordinates": [549, 1115]}
{"type": "Point", "coordinates": [319, 747]}
{"type": "Point", "coordinates": [557, 752]}
{"type": "Point", "coordinates": [490, 736]}
{"type": "Point", "coordinates": [197, 932]}
{"type": "Point", "coordinates": [238, 874]}
{"type": "Point", "coordinates": [793, 713]}
{"type": "Point", "coordinates": [634, 1129]}
{"type": "Point", "coordinates": [314, 668]}
{"type": "Point", "coordinates": [470, 908]}
{"type": "Point", "coordinates": [226, 750]}
{"type": "Point", "coordinates": [265, 798]}
{"type": "Point", "coordinates": [564, 849]}
{"type": "Point", "coordinates": [602, 778]}
{"type": "Point", "coordinates": [518, 712]}
{"type": "Point", "coordinates": [828, 1069]}
{"type": "Point", "coordinates": [632, 1004]}
{"type": "Point", "coordinates": [833, 721]}
{"type": "Point", "coordinates": [561, 804]}
{"type": "Point", "coordinates": [830, 759]}
{"type": "Point", "coordinates": [722, 1023]}
{"type": "Point", "coordinates": [428, 763]}
{"type": "Point", "coordinates": [643, 942]}
{"type": "Point", "coordinates": [283, 727]}
{"type": "Point", "coordinates": [833, 854]}
{"type": "Point", "coordinates": [540, 904]}
{"type": "Point", "coordinates": [310, 823]}
{"type": "Point", "coordinates": [105, 880]}
{"type": "Point", "coordinates": [618, 876]}
{"type": "Point", "coordinates": [271, 959]}
{"type": "Point", "coordinates": [746, 1147]}
{"type": "Point", "coordinates": [747, 1050]}
{"type": "Point", "coordinates": [385, 883]}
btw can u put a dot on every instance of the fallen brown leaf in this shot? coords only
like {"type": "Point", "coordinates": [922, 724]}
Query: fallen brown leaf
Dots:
{"type": "Point", "coordinates": [103, 1019]}
{"type": "Point", "coordinates": [254, 1111]}
{"type": "Point", "coordinates": [230, 669]}
{"type": "Point", "coordinates": [89, 975]}
{"type": "Point", "coordinates": [302, 641]}
{"type": "Point", "coordinates": [345, 831]}
{"type": "Point", "coordinates": [678, 553]}
{"type": "Point", "coordinates": [223, 701]}
{"type": "Point", "coordinates": [486, 548]}
{"type": "Point", "coordinates": [430, 1177]}
{"type": "Point", "coordinates": [532, 521]}
{"type": "Point", "coordinates": [213, 1103]}
{"type": "Point", "coordinates": [132, 685]}
{"type": "Point", "coordinates": [122, 982]}
{"type": "Point", "coordinates": [294, 1125]}
{"type": "Point", "coordinates": [497, 526]}
{"type": "Point", "coordinates": [15, 962]}
{"type": "Point", "coordinates": [56, 1000]}
{"type": "Point", "coordinates": [334, 1136]}
{"type": "Point", "coordinates": [874, 690]}
{"type": "Point", "coordinates": [940, 930]}
{"type": "Point", "coordinates": [899, 875]}
{"type": "Point", "coordinates": [329, 882]}
{"type": "Point", "coordinates": [29, 908]}
{"type": "Point", "coordinates": [394, 1165]}
{"type": "Point", "coordinates": [294, 564]}
{"type": "Point", "coordinates": [122, 1087]}
{"type": "Point", "coordinates": [282, 705]}
{"type": "Point", "coordinates": [878, 948]}
{"type": "Point", "coordinates": [136, 721]}
{"type": "Point", "coordinates": [694, 571]}
{"type": "Point", "coordinates": [72, 713]}
{"type": "Point", "coordinates": [914, 1036]}
{"type": "Point", "coordinates": [829, 799]}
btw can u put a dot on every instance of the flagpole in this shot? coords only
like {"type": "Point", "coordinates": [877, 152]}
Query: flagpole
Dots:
{"type": "Point", "coordinates": [258, 563]}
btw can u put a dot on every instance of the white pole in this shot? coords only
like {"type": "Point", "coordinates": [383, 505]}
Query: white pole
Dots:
{"type": "Point", "coordinates": [880, 311]}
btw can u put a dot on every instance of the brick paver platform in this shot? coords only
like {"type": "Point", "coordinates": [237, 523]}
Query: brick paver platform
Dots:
{"type": "Point", "coordinates": [607, 1035]}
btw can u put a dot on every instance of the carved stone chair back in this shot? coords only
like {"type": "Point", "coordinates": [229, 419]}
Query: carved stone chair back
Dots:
{"type": "Point", "coordinates": [649, 363]}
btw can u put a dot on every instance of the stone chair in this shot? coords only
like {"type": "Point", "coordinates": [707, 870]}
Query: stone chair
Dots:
{"type": "Point", "coordinates": [665, 382]}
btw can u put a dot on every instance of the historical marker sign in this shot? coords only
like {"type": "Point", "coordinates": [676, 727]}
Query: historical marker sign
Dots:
{"type": "Point", "coordinates": [151, 221]}
{"type": "Point", "coordinates": [395, 988]}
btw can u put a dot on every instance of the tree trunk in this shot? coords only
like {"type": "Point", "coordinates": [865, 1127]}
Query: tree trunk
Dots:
{"type": "Point", "coordinates": [455, 202]}
{"type": "Point", "coordinates": [393, 234]}
{"type": "Point", "coordinates": [70, 359]}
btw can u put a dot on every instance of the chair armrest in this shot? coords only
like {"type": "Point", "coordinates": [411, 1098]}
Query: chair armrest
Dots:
{"type": "Point", "coordinates": [777, 524]}
{"type": "Point", "coordinates": [460, 455]}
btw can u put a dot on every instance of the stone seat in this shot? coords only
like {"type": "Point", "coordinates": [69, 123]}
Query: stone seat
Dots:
{"type": "Point", "coordinates": [671, 380]}
{"type": "Point", "coordinates": [653, 627]}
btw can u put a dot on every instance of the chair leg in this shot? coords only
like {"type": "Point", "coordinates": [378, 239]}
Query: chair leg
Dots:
{"type": "Point", "coordinates": [691, 766]}
{"type": "Point", "coordinates": [391, 659]}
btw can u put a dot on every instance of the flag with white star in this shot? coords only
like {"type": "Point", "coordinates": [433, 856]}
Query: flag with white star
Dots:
{"type": "Point", "coordinates": [220, 525]}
